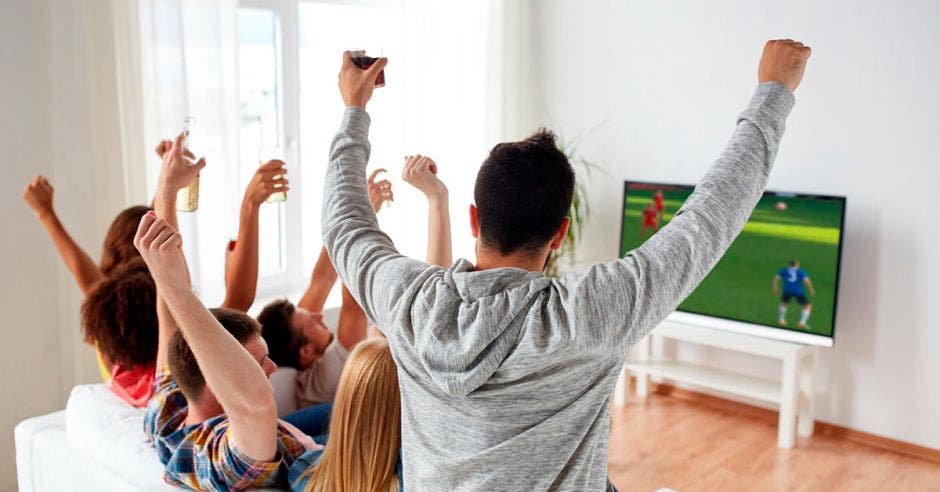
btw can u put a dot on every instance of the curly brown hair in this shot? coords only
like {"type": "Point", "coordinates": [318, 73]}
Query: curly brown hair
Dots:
{"type": "Point", "coordinates": [120, 316]}
{"type": "Point", "coordinates": [119, 242]}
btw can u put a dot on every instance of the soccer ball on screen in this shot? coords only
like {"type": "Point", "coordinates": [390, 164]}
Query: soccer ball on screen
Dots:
{"type": "Point", "coordinates": [781, 206]}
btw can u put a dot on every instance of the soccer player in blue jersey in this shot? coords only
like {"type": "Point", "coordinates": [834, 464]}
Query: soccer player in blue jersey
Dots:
{"type": "Point", "coordinates": [795, 283]}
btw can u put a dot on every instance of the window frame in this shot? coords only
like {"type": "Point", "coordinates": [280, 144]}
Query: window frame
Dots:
{"type": "Point", "coordinates": [287, 45]}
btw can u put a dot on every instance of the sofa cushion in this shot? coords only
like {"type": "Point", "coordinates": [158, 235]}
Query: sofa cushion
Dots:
{"type": "Point", "coordinates": [111, 431]}
{"type": "Point", "coordinates": [284, 383]}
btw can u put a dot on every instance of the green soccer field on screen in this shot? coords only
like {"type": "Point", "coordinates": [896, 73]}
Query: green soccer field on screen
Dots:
{"type": "Point", "coordinates": [782, 271]}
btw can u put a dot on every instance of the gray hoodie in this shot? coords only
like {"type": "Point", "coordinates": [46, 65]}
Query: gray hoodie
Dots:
{"type": "Point", "coordinates": [506, 375]}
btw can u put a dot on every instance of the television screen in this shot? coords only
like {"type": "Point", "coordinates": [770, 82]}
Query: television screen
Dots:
{"type": "Point", "coordinates": [781, 272]}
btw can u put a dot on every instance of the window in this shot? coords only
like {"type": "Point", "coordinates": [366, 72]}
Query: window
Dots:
{"type": "Point", "coordinates": [258, 103]}
{"type": "Point", "coordinates": [324, 34]}
{"type": "Point", "coordinates": [264, 133]}
{"type": "Point", "coordinates": [262, 73]}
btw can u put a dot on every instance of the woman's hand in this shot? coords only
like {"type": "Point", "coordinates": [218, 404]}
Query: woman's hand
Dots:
{"type": "Point", "coordinates": [421, 172]}
{"type": "Point", "coordinates": [179, 165]}
{"type": "Point", "coordinates": [38, 195]}
{"type": "Point", "coordinates": [268, 180]}
{"type": "Point", "coordinates": [381, 191]}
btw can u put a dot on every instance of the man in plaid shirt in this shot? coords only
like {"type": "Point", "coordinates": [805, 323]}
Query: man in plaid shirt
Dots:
{"type": "Point", "coordinates": [202, 455]}
{"type": "Point", "coordinates": [213, 422]}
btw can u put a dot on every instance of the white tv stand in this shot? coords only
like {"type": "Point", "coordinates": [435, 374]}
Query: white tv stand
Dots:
{"type": "Point", "coordinates": [793, 394]}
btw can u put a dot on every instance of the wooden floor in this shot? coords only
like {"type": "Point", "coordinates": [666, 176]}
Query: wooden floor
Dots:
{"type": "Point", "coordinates": [666, 441]}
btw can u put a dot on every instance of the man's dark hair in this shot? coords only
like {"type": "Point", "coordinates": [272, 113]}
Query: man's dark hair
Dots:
{"type": "Point", "coordinates": [523, 193]}
{"type": "Point", "coordinates": [120, 316]}
{"type": "Point", "coordinates": [793, 263]}
{"type": "Point", "coordinates": [284, 341]}
{"type": "Point", "coordinates": [182, 361]}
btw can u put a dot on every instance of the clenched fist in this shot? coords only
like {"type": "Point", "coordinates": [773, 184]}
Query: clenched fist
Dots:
{"type": "Point", "coordinates": [421, 172]}
{"type": "Point", "coordinates": [159, 245]}
{"type": "Point", "coordinates": [38, 195]}
{"type": "Point", "coordinates": [784, 61]}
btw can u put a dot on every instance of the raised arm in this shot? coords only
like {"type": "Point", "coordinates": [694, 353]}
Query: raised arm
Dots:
{"type": "Point", "coordinates": [324, 274]}
{"type": "Point", "coordinates": [241, 274]}
{"type": "Point", "coordinates": [353, 323]}
{"type": "Point", "coordinates": [38, 195]}
{"type": "Point", "coordinates": [177, 171]}
{"type": "Point", "coordinates": [638, 291]}
{"type": "Point", "coordinates": [421, 172]}
{"type": "Point", "coordinates": [232, 374]}
{"type": "Point", "coordinates": [321, 283]}
{"type": "Point", "coordinates": [365, 258]}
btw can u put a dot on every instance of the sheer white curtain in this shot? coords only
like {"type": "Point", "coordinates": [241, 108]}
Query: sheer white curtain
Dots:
{"type": "Point", "coordinates": [189, 69]}
{"type": "Point", "coordinates": [466, 82]}
{"type": "Point", "coordinates": [447, 112]}
{"type": "Point", "coordinates": [65, 111]}
{"type": "Point", "coordinates": [446, 96]}
{"type": "Point", "coordinates": [71, 105]}
{"type": "Point", "coordinates": [443, 98]}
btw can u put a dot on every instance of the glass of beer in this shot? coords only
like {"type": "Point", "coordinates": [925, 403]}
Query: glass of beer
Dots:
{"type": "Point", "coordinates": [187, 199]}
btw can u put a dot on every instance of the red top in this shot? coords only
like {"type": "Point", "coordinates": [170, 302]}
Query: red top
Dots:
{"type": "Point", "coordinates": [649, 216]}
{"type": "Point", "coordinates": [135, 385]}
{"type": "Point", "coordinates": [658, 199]}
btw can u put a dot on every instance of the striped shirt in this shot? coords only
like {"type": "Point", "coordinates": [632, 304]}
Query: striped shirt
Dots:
{"type": "Point", "coordinates": [203, 456]}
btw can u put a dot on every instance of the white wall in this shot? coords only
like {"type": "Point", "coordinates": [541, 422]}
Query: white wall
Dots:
{"type": "Point", "coordinates": [667, 79]}
{"type": "Point", "coordinates": [60, 119]}
{"type": "Point", "coordinates": [29, 365]}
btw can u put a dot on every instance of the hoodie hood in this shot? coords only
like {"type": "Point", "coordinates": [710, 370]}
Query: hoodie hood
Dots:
{"type": "Point", "coordinates": [475, 322]}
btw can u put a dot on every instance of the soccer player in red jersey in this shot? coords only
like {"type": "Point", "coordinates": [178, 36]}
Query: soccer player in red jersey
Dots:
{"type": "Point", "coordinates": [658, 201]}
{"type": "Point", "coordinates": [650, 219]}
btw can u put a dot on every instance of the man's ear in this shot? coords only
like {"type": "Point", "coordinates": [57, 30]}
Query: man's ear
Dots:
{"type": "Point", "coordinates": [560, 236]}
{"type": "Point", "coordinates": [306, 351]}
{"type": "Point", "coordinates": [474, 222]}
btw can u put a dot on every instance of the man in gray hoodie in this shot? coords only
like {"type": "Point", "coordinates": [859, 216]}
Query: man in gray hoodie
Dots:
{"type": "Point", "coordinates": [506, 375]}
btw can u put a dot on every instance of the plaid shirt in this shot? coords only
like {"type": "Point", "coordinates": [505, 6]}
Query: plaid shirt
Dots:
{"type": "Point", "coordinates": [203, 456]}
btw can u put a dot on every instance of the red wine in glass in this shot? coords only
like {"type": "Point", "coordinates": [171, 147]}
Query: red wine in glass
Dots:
{"type": "Point", "coordinates": [362, 61]}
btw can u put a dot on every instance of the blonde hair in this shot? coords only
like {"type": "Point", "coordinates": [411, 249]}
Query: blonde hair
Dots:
{"type": "Point", "coordinates": [365, 426]}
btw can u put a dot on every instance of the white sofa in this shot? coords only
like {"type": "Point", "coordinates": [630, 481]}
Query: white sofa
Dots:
{"type": "Point", "coordinates": [97, 443]}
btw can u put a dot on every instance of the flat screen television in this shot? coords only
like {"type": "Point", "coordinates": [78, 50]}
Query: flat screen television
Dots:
{"type": "Point", "coordinates": [778, 279]}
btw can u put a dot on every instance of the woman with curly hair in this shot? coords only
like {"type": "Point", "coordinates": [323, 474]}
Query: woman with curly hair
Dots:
{"type": "Point", "coordinates": [119, 317]}
{"type": "Point", "coordinates": [118, 245]}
